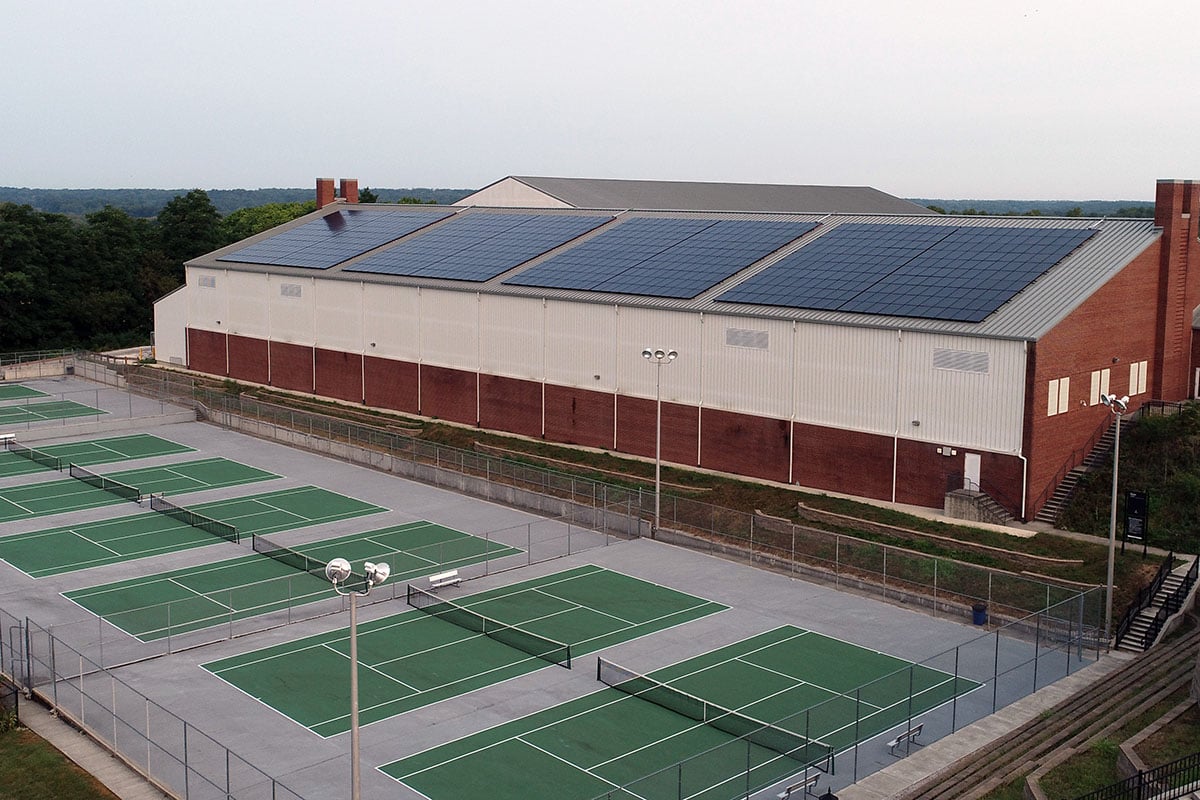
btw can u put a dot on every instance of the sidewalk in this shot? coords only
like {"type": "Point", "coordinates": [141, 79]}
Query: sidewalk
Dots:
{"type": "Point", "coordinates": [90, 756]}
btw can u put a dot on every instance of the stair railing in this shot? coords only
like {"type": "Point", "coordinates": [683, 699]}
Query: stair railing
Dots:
{"type": "Point", "coordinates": [1143, 600]}
{"type": "Point", "coordinates": [1073, 460]}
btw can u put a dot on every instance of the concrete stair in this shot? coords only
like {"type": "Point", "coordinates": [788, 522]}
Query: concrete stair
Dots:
{"type": "Point", "coordinates": [1135, 640]}
{"type": "Point", "coordinates": [1098, 456]}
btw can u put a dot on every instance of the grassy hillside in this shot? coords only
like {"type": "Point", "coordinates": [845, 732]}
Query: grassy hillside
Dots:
{"type": "Point", "coordinates": [1159, 455]}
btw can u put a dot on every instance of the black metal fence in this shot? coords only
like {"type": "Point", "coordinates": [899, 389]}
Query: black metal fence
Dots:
{"type": "Point", "coordinates": [1176, 779]}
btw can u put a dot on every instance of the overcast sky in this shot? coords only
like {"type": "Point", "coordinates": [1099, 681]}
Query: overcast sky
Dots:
{"type": "Point", "coordinates": [1054, 99]}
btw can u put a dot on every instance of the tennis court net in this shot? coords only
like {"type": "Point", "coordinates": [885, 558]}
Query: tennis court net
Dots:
{"type": "Point", "coordinates": [37, 456]}
{"type": "Point", "coordinates": [286, 555]}
{"type": "Point", "coordinates": [518, 638]}
{"type": "Point", "coordinates": [179, 514]}
{"type": "Point", "coordinates": [809, 752]}
{"type": "Point", "coordinates": [107, 484]}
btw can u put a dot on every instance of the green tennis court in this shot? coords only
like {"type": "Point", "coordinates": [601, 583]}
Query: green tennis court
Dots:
{"type": "Point", "coordinates": [171, 603]}
{"type": "Point", "coordinates": [93, 451]}
{"type": "Point", "coordinates": [647, 739]}
{"type": "Point", "coordinates": [416, 658]}
{"type": "Point", "coordinates": [75, 547]}
{"type": "Point", "coordinates": [56, 497]}
{"type": "Point", "coordinates": [40, 412]}
{"type": "Point", "coordinates": [15, 391]}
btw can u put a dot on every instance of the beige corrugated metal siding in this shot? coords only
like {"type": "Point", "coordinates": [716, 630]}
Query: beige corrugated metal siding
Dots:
{"type": "Point", "coordinates": [339, 317]}
{"type": "Point", "coordinates": [392, 320]}
{"type": "Point", "coordinates": [291, 314]}
{"type": "Point", "coordinates": [511, 337]}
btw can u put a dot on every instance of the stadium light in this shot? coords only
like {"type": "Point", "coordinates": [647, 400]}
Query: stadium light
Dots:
{"type": "Point", "coordinates": [337, 572]}
{"type": "Point", "coordinates": [658, 357]}
{"type": "Point", "coordinates": [1116, 406]}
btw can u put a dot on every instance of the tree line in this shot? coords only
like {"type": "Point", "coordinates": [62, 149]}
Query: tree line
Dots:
{"type": "Point", "coordinates": [148, 202]}
{"type": "Point", "coordinates": [92, 282]}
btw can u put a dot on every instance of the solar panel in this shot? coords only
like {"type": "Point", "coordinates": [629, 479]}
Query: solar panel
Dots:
{"type": "Point", "coordinates": [477, 247]}
{"type": "Point", "coordinates": [930, 271]}
{"type": "Point", "coordinates": [334, 238]}
{"type": "Point", "coordinates": [662, 257]}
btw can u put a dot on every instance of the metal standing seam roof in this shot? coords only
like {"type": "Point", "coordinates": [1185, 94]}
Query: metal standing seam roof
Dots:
{"type": "Point", "coordinates": [1027, 316]}
{"type": "Point", "coordinates": [706, 196]}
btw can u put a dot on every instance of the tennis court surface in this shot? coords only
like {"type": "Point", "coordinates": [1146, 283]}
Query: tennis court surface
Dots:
{"type": "Point", "coordinates": [75, 547]}
{"type": "Point", "coordinates": [274, 578]}
{"type": "Point", "coordinates": [697, 729]}
{"type": "Point", "coordinates": [15, 391]}
{"type": "Point", "coordinates": [56, 497]}
{"type": "Point", "coordinates": [419, 657]}
{"type": "Point", "coordinates": [21, 460]}
{"type": "Point", "coordinates": [40, 412]}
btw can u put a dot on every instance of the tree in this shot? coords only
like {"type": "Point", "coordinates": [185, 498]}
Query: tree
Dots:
{"type": "Point", "coordinates": [188, 226]}
{"type": "Point", "coordinates": [246, 222]}
{"type": "Point", "coordinates": [365, 195]}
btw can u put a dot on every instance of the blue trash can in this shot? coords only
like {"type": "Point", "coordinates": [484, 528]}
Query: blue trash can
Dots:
{"type": "Point", "coordinates": [979, 613]}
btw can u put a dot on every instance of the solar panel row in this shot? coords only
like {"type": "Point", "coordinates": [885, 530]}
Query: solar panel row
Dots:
{"type": "Point", "coordinates": [662, 257]}
{"type": "Point", "coordinates": [478, 247]}
{"type": "Point", "coordinates": [334, 238]}
{"type": "Point", "coordinates": [929, 271]}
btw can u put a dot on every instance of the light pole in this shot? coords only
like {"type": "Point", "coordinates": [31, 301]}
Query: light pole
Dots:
{"type": "Point", "coordinates": [1116, 405]}
{"type": "Point", "coordinates": [337, 571]}
{"type": "Point", "coordinates": [658, 357]}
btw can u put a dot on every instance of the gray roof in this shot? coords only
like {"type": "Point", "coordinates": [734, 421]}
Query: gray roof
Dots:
{"type": "Point", "coordinates": [1029, 315]}
{"type": "Point", "coordinates": [699, 196]}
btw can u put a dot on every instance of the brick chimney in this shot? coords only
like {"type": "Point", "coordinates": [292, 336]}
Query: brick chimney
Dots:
{"type": "Point", "coordinates": [325, 194]}
{"type": "Point", "coordinates": [1177, 212]}
{"type": "Point", "coordinates": [349, 190]}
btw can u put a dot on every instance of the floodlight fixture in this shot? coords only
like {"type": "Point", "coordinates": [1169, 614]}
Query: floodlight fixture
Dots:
{"type": "Point", "coordinates": [376, 573]}
{"type": "Point", "coordinates": [337, 570]}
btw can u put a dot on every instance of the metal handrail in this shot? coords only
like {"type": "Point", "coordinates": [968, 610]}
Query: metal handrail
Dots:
{"type": "Point", "coordinates": [1143, 600]}
{"type": "Point", "coordinates": [1073, 460]}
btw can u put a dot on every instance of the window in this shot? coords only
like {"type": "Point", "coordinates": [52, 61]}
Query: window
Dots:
{"type": "Point", "coordinates": [1137, 377]}
{"type": "Point", "coordinates": [739, 337]}
{"type": "Point", "coordinates": [1099, 385]}
{"type": "Point", "coordinates": [960, 360]}
{"type": "Point", "coordinates": [1059, 396]}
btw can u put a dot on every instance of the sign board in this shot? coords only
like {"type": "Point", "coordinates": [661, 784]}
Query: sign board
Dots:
{"type": "Point", "coordinates": [1137, 514]}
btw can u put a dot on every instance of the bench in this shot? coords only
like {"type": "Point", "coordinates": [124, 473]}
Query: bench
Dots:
{"type": "Point", "coordinates": [808, 784]}
{"type": "Point", "coordinates": [907, 737]}
{"type": "Point", "coordinates": [447, 578]}
{"type": "Point", "coordinates": [7, 437]}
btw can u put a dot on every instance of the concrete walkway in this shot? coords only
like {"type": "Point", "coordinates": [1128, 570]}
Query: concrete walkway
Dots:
{"type": "Point", "coordinates": [84, 751]}
{"type": "Point", "coordinates": [926, 761]}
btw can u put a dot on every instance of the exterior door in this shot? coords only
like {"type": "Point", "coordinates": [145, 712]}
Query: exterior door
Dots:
{"type": "Point", "coordinates": [971, 471]}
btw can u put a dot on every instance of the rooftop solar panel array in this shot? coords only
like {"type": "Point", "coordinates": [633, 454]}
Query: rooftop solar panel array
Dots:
{"type": "Point", "coordinates": [477, 247]}
{"type": "Point", "coordinates": [662, 257]}
{"type": "Point", "coordinates": [334, 238]}
{"type": "Point", "coordinates": [929, 271]}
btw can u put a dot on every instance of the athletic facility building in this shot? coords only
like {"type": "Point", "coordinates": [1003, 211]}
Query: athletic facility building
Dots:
{"type": "Point", "coordinates": [875, 351]}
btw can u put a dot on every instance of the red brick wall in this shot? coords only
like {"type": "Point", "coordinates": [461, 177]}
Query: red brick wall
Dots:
{"type": "Point", "coordinates": [206, 352]}
{"type": "Point", "coordinates": [291, 366]}
{"type": "Point", "coordinates": [680, 430]}
{"type": "Point", "coordinates": [579, 416]}
{"type": "Point", "coordinates": [1117, 322]}
{"type": "Point", "coordinates": [338, 375]}
{"type": "Point", "coordinates": [755, 446]}
{"type": "Point", "coordinates": [510, 404]}
{"type": "Point", "coordinates": [1177, 210]}
{"type": "Point", "coordinates": [249, 359]}
{"type": "Point", "coordinates": [922, 473]}
{"type": "Point", "coordinates": [449, 394]}
{"type": "Point", "coordinates": [850, 462]}
{"type": "Point", "coordinates": [391, 384]}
